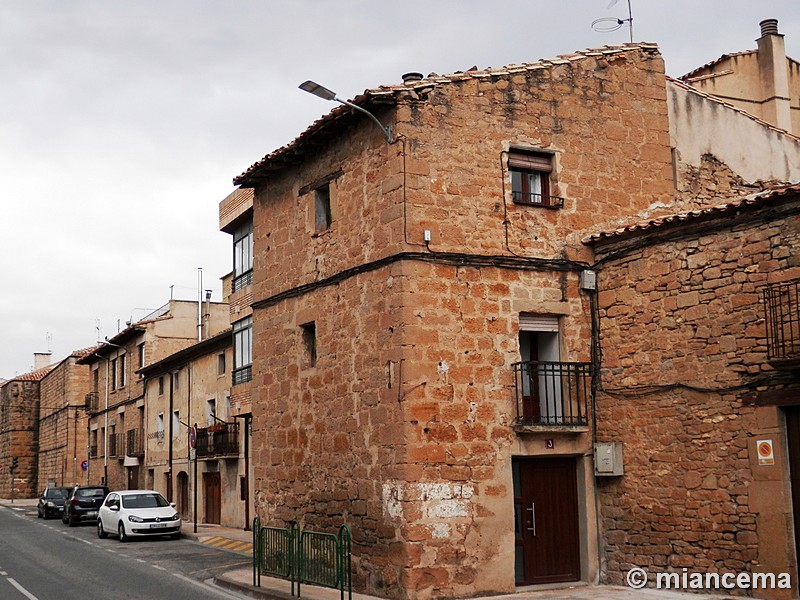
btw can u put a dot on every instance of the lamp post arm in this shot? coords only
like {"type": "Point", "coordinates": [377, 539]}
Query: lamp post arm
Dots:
{"type": "Point", "coordinates": [386, 131]}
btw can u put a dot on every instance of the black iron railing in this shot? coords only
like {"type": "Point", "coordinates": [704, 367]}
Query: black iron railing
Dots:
{"type": "Point", "coordinates": [782, 311]}
{"type": "Point", "coordinates": [135, 446]}
{"type": "Point", "coordinates": [242, 281]}
{"type": "Point", "coordinates": [534, 199]}
{"type": "Point", "coordinates": [242, 374]}
{"type": "Point", "coordinates": [218, 440]}
{"type": "Point", "coordinates": [92, 402]}
{"type": "Point", "coordinates": [552, 393]}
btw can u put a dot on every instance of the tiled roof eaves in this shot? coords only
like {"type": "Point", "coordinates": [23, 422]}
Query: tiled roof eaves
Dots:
{"type": "Point", "coordinates": [694, 90]}
{"type": "Point", "coordinates": [712, 63]}
{"type": "Point", "coordinates": [388, 94]}
{"type": "Point", "coordinates": [708, 65]}
{"type": "Point", "coordinates": [751, 201]}
{"type": "Point", "coordinates": [36, 375]}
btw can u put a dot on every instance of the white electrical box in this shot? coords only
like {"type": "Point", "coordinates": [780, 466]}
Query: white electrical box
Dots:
{"type": "Point", "coordinates": [608, 459]}
{"type": "Point", "coordinates": [588, 280]}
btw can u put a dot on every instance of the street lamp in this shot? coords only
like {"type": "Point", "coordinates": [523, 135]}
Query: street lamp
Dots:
{"type": "Point", "coordinates": [322, 92]}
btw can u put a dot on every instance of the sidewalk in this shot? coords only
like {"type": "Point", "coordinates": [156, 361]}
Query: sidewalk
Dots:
{"type": "Point", "coordinates": [241, 580]}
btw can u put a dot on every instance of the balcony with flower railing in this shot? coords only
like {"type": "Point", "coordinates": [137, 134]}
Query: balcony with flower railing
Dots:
{"type": "Point", "coordinates": [552, 395]}
{"type": "Point", "coordinates": [782, 312]}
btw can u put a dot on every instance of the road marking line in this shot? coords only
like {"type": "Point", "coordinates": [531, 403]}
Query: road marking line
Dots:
{"type": "Point", "coordinates": [21, 589]}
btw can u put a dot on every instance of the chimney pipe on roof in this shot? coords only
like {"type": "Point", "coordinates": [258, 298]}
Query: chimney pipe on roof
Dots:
{"type": "Point", "coordinates": [773, 76]}
{"type": "Point", "coordinates": [769, 27]}
{"type": "Point", "coordinates": [412, 77]}
{"type": "Point", "coordinates": [41, 360]}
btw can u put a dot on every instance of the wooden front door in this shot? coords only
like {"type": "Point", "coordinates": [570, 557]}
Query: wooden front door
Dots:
{"type": "Point", "coordinates": [133, 478]}
{"type": "Point", "coordinates": [213, 496]}
{"type": "Point", "coordinates": [546, 520]}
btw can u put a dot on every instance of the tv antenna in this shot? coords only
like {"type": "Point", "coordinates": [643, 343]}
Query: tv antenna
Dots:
{"type": "Point", "coordinates": [609, 24]}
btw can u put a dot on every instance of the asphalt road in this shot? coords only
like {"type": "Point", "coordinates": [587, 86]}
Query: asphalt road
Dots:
{"type": "Point", "coordinates": [46, 560]}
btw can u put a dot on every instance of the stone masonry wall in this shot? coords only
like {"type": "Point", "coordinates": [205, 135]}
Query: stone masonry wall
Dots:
{"type": "Point", "coordinates": [402, 427]}
{"type": "Point", "coordinates": [62, 424]}
{"type": "Point", "coordinates": [682, 333]}
{"type": "Point", "coordinates": [19, 409]}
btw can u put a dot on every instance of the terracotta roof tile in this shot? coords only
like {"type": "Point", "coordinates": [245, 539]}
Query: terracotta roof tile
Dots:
{"type": "Point", "coordinates": [752, 200]}
{"type": "Point", "coordinates": [36, 375]}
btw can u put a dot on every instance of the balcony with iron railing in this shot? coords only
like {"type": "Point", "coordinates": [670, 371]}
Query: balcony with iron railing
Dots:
{"type": "Point", "coordinates": [135, 445]}
{"type": "Point", "coordinates": [552, 395]}
{"type": "Point", "coordinates": [782, 312]}
{"type": "Point", "coordinates": [92, 400]}
{"type": "Point", "coordinates": [218, 440]}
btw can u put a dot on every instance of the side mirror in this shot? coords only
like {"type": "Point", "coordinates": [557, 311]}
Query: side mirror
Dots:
{"type": "Point", "coordinates": [173, 505]}
{"type": "Point", "coordinates": [114, 507]}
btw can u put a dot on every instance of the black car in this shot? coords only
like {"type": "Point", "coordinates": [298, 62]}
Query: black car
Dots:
{"type": "Point", "coordinates": [51, 502]}
{"type": "Point", "coordinates": [82, 504]}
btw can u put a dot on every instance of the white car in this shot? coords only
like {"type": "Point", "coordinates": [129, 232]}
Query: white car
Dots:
{"type": "Point", "coordinates": [134, 513]}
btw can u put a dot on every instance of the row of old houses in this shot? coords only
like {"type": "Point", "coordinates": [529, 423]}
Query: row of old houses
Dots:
{"type": "Point", "coordinates": [545, 330]}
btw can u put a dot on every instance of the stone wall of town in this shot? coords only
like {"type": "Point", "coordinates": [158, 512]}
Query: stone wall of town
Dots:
{"type": "Point", "coordinates": [683, 342]}
{"type": "Point", "coordinates": [19, 413]}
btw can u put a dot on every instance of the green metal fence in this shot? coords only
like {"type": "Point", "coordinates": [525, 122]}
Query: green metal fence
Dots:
{"type": "Point", "coordinates": [303, 557]}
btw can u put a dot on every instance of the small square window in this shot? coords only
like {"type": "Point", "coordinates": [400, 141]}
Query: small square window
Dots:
{"type": "Point", "coordinates": [530, 178]}
{"type": "Point", "coordinates": [309, 332]}
{"type": "Point", "coordinates": [322, 208]}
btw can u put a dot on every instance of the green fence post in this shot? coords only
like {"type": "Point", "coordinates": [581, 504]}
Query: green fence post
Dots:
{"type": "Point", "coordinates": [256, 552]}
{"type": "Point", "coordinates": [345, 561]}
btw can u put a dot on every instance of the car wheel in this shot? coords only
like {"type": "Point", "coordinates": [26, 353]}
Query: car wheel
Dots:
{"type": "Point", "coordinates": [101, 533]}
{"type": "Point", "coordinates": [123, 537]}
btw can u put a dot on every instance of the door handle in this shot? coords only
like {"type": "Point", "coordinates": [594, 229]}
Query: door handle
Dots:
{"type": "Point", "coordinates": [533, 518]}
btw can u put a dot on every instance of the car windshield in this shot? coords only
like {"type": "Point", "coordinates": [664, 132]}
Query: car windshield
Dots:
{"type": "Point", "coordinates": [144, 501]}
{"type": "Point", "coordinates": [91, 493]}
{"type": "Point", "coordinates": [56, 493]}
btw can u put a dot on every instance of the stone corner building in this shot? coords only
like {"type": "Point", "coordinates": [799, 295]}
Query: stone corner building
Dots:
{"type": "Point", "coordinates": [19, 428]}
{"type": "Point", "coordinates": [425, 332]}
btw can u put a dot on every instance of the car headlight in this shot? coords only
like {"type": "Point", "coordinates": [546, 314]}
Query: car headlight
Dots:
{"type": "Point", "coordinates": [49, 504]}
{"type": "Point", "coordinates": [175, 517]}
{"type": "Point", "coordinates": [135, 519]}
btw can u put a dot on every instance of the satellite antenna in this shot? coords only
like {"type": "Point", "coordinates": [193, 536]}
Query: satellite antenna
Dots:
{"type": "Point", "coordinates": [608, 24]}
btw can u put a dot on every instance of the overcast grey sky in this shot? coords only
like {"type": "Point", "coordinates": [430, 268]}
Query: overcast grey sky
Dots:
{"type": "Point", "coordinates": [122, 124]}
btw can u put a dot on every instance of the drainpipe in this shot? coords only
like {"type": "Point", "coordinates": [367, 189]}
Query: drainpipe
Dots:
{"type": "Point", "coordinates": [169, 460]}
